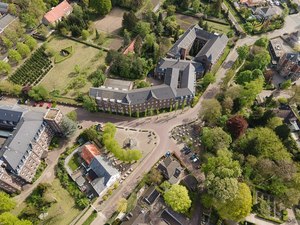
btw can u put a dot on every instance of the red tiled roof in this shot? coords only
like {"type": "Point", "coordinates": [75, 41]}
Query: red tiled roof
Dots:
{"type": "Point", "coordinates": [62, 9]}
{"type": "Point", "coordinates": [89, 152]}
{"type": "Point", "coordinates": [130, 48]}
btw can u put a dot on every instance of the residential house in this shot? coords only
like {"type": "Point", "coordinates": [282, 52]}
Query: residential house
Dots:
{"type": "Point", "coordinates": [5, 21]}
{"type": "Point", "coordinates": [289, 66]}
{"type": "Point", "coordinates": [4, 7]}
{"type": "Point", "coordinates": [27, 138]}
{"type": "Point", "coordinates": [267, 13]}
{"type": "Point", "coordinates": [151, 195]}
{"type": "Point", "coordinates": [56, 14]}
{"type": "Point", "coordinates": [170, 169]}
{"type": "Point", "coordinates": [200, 45]}
{"type": "Point", "coordinates": [99, 172]}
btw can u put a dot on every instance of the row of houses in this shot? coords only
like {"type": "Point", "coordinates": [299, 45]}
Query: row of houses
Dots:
{"type": "Point", "coordinates": [24, 140]}
{"type": "Point", "coordinates": [192, 54]}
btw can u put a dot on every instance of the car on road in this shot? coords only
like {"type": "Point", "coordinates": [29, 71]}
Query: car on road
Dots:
{"type": "Point", "coordinates": [41, 104]}
{"type": "Point", "coordinates": [34, 104]}
{"type": "Point", "coordinates": [49, 105]}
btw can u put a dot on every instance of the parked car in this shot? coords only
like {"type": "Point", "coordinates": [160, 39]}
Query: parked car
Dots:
{"type": "Point", "coordinates": [41, 104]}
{"type": "Point", "coordinates": [34, 104]}
{"type": "Point", "coordinates": [49, 105]}
{"type": "Point", "coordinates": [188, 151]}
{"type": "Point", "coordinates": [195, 160]}
{"type": "Point", "coordinates": [193, 156]}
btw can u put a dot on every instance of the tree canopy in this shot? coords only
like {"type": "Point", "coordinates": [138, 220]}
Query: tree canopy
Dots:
{"type": "Point", "coordinates": [6, 203]}
{"type": "Point", "coordinates": [215, 138]}
{"type": "Point", "coordinates": [68, 126]}
{"type": "Point", "coordinates": [38, 93]}
{"type": "Point", "coordinates": [237, 126]}
{"type": "Point", "coordinates": [263, 142]}
{"type": "Point", "coordinates": [211, 111]}
{"type": "Point", "coordinates": [102, 7]}
{"type": "Point", "coordinates": [177, 198]}
{"type": "Point", "coordinates": [238, 207]}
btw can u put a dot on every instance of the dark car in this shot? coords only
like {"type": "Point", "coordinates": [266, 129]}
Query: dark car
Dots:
{"type": "Point", "coordinates": [188, 151]}
{"type": "Point", "coordinates": [193, 156]}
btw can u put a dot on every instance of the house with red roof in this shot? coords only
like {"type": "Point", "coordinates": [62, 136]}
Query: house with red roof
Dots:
{"type": "Point", "coordinates": [88, 152]}
{"type": "Point", "coordinates": [55, 15]}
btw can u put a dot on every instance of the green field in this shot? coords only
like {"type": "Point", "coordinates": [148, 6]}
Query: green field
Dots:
{"type": "Point", "coordinates": [219, 28]}
{"type": "Point", "coordinates": [63, 211]}
{"type": "Point", "coordinates": [59, 77]}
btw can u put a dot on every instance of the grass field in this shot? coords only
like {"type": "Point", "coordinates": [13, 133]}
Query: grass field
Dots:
{"type": "Point", "coordinates": [219, 28]}
{"type": "Point", "coordinates": [73, 163]}
{"type": "Point", "coordinates": [87, 58]}
{"type": "Point", "coordinates": [63, 211]}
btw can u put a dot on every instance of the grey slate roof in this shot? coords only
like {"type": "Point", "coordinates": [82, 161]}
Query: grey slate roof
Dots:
{"type": "Point", "coordinates": [10, 115]}
{"type": "Point", "coordinates": [169, 90]}
{"type": "Point", "coordinates": [5, 21]}
{"type": "Point", "coordinates": [15, 147]}
{"type": "Point", "coordinates": [212, 49]}
{"type": "Point", "coordinates": [104, 171]}
{"type": "Point", "coordinates": [168, 167]}
{"type": "Point", "coordinates": [266, 12]}
{"type": "Point", "coordinates": [294, 57]}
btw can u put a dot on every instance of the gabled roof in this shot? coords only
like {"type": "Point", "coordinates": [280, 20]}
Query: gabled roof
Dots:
{"type": "Point", "coordinates": [5, 21]}
{"type": "Point", "coordinates": [266, 11]}
{"type": "Point", "coordinates": [17, 146]}
{"type": "Point", "coordinates": [212, 49]}
{"type": "Point", "coordinates": [10, 115]}
{"type": "Point", "coordinates": [89, 151]}
{"type": "Point", "coordinates": [168, 167]}
{"type": "Point", "coordinates": [59, 11]}
{"type": "Point", "coordinates": [102, 169]}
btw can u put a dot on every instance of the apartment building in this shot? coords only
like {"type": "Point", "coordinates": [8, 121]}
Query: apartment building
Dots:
{"type": "Point", "coordinates": [25, 137]}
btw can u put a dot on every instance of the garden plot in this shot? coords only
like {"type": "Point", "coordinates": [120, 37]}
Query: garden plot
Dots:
{"type": "Point", "coordinates": [71, 75]}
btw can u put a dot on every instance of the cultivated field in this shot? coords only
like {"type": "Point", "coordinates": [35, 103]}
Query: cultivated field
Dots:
{"type": "Point", "coordinates": [87, 58]}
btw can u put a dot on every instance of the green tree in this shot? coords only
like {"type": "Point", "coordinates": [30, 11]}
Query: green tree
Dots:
{"type": "Point", "coordinates": [89, 104]}
{"type": "Point", "coordinates": [143, 28]}
{"type": "Point", "coordinates": [9, 219]}
{"type": "Point", "coordinates": [68, 126]}
{"type": "Point", "coordinates": [72, 115]}
{"type": "Point", "coordinates": [14, 56]}
{"type": "Point", "coordinates": [208, 79]}
{"type": "Point", "coordinates": [6, 203]}
{"type": "Point", "coordinates": [23, 49]}
{"type": "Point", "coordinates": [85, 34]}
{"type": "Point", "coordinates": [154, 176]}
{"type": "Point", "coordinates": [30, 42]}
{"type": "Point", "coordinates": [222, 173]}
{"type": "Point", "coordinates": [5, 68]}
{"type": "Point", "coordinates": [286, 84]}
{"type": "Point", "coordinates": [262, 42]}
{"type": "Point", "coordinates": [122, 205]}
{"type": "Point", "coordinates": [239, 207]}
{"type": "Point", "coordinates": [250, 91]}
{"type": "Point", "coordinates": [129, 21]}
{"type": "Point", "coordinates": [196, 5]}
{"type": "Point", "coordinates": [177, 198]}
{"type": "Point", "coordinates": [274, 122]}
{"type": "Point", "coordinates": [243, 52]}
{"type": "Point", "coordinates": [211, 111]}
{"type": "Point", "coordinates": [7, 43]}
{"type": "Point", "coordinates": [102, 7]}
{"type": "Point", "coordinates": [171, 9]}
{"type": "Point", "coordinates": [38, 93]}
{"type": "Point", "coordinates": [263, 142]}
{"type": "Point", "coordinates": [215, 138]}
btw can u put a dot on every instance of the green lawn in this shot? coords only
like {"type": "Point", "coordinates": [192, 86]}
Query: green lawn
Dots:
{"type": "Point", "coordinates": [90, 219]}
{"type": "Point", "coordinates": [64, 210]}
{"type": "Point", "coordinates": [59, 77]}
{"type": "Point", "coordinates": [219, 28]}
{"type": "Point", "coordinates": [73, 163]}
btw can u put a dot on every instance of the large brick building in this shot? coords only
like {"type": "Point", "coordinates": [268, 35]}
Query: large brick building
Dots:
{"type": "Point", "coordinates": [24, 140]}
{"type": "Point", "coordinates": [192, 54]}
